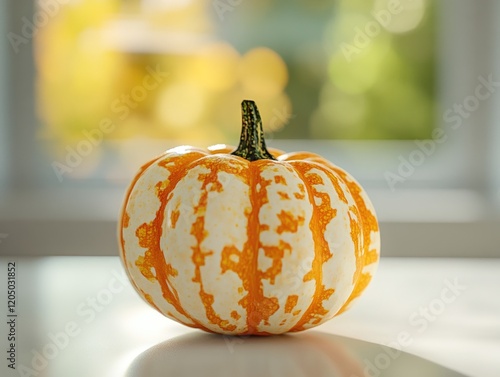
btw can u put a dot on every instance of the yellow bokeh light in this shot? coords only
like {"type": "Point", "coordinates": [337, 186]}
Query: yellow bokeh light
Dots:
{"type": "Point", "coordinates": [181, 105]}
{"type": "Point", "coordinates": [409, 16]}
{"type": "Point", "coordinates": [347, 71]}
{"type": "Point", "coordinates": [215, 67]}
{"type": "Point", "coordinates": [263, 73]}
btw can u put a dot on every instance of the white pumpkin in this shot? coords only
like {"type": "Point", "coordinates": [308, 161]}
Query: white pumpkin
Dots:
{"type": "Point", "coordinates": [248, 242]}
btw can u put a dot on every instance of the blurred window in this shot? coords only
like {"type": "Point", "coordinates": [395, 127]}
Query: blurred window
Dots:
{"type": "Point", "coordinates": [403, 94]}
{"type": "Point", "coordinates": [119, 80]}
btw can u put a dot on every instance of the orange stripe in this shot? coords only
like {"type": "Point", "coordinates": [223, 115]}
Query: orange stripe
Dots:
{"type": "Point", "coordinates": [289, 223]}
{"type": "Point", "coordinates": [291, 301]}
{"type": "Point", "coordinates": [367, 221]}
{"type": "Point", "coordinates": [322, 214]}
{"type": "Point", "coordinates": [250, 253]}
{"type": "Point", "coordinates": [366, 218]}
{"type": "Point", "coordinates": [124, 216]}
{"type": "Point", "coordinates": [258, 307]}
{"type": "Point", "coordinates": [149, 234]}
{"type": "Point", "coordinates": [215, 166]}
{"type": "Point", "coordinates": [355, 237]}
{"type": "Point", "coordinates": [361, 284]}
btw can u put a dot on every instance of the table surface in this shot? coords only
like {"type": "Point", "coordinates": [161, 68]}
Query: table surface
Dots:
{"type": "Point", "coordinates": [79, 316]}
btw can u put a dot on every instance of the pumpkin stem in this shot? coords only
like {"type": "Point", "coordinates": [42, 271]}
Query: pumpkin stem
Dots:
{"type": "Point", "coordinates": [252, 144]}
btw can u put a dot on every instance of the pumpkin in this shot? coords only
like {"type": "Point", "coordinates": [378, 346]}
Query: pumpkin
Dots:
{"type": "Point", "coordinates": [248, 240]}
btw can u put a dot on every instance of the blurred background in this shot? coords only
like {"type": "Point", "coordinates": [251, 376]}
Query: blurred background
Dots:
{"type": "Point", "coordinates": [401, 93]}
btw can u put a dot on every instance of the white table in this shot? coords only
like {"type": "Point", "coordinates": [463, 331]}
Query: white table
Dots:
{"type": "Point", "coordinates": [83, 314]}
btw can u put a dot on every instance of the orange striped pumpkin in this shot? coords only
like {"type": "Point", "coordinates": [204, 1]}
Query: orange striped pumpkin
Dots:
{"type": "Point", "coordinates": [250, 241]}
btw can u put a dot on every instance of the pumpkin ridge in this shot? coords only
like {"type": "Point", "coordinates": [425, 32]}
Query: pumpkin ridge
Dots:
{"type": "Point", "coordinates": [258, 197]}
{"type": "Point", "coordinates": [368, 223]}
{"type": "Point", "coordinates": [154, 257]}
{"type": "Point", "coordinates": [248, 258]}
{"type": "Point", "coordinates": [355, 229]}
{"type": "Point", "coordinates": [366, 218]}
{"type": "Point", "coordinates": [259, 307]}
{"type": "Point", "coordinates": [199, 232]}
{"type": "Point", "coordinates": [322, 252]}
{"type": "Point", "coordinates": [125, 217]}
{"type": "Point", "coordinates": [333, 178]}
{"type": "Point", "coordinates": [357, 239]}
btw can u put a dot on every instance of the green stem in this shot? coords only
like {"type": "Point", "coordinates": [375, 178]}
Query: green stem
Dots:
{"type": "Point", "coordinates": [252, 144]}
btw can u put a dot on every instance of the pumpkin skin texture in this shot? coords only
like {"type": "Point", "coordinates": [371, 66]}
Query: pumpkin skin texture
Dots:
{"type": "Point", "coordinates": [247, 245]}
